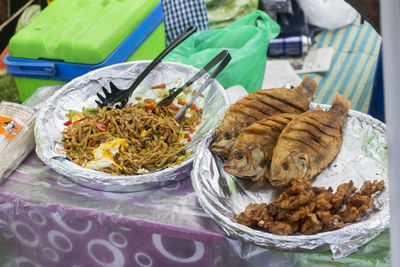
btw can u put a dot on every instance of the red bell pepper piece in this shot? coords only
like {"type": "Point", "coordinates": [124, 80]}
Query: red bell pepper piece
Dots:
{"type": "Point", "coordinates": [175, 106]}
{"type": "Point", "coordinates": [158, 86]}
{"type": "Point", "coordinates": [151, 106]}
{"type": "Point", "coordinates": [93, 143]}
{"type": "Point", "coordinates": [181, 102]}
{"type": "Point", "coordinates": [84, 118]}
{"type": "Point", "coordinates": [67, 123]}
{"type": "Point", "coordinates": [188, 137]}
{"type": "Point", "coordinates": [194, 107]}
{"type": "Point", "coordinates": [100, 126]}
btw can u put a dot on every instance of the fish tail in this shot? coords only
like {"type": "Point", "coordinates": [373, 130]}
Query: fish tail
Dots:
{"type": "Point", "coordinates": [340, 106]}
{"type": "Point", "coordinates": [340, 102]}
{"type": "Point", "coordinates": [307, 87]}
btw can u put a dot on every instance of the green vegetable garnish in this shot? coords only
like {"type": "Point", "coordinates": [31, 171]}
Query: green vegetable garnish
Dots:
{"type": "Point", "coordinates": [88, 111]}
{"type": "Point", "coordinates": [72, 113]}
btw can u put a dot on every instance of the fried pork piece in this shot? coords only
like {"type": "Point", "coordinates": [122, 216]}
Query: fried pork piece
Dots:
{"type": "Point", "coordinates": [369, 188]}
{"type": "Point", "coordinates": [312, 225]}
{"type": "Point", "coordinates": [302, 212]}
{"type": "Point", "coordinates": [330, 221]}
{"type": "Point", "coordinates": [343, 192]}
{"type": "Point", "coordinates": [252, 214]}
{"type": "Point", "coordinates": [294, 201]}
{"type": "Point", "coordinates": [310, 210]}
{"type": "Point", "coordinates": [350, 214]}
{"type": "Point", "coordinates": [360, 202]}
{"type": "Point", "coordinates": [280, 228]}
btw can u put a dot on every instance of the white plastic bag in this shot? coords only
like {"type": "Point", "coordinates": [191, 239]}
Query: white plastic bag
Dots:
{"type": "Point", "coordinates": [328, 14]}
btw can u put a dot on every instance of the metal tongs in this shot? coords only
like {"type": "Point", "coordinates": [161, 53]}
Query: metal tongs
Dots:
{"type": "Point", "coordinates": [121, 96]}
{"type": "Point", "coordinates": [222, 59]}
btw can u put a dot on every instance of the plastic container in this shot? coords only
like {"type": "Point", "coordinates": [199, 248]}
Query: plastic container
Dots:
{"type": "Point", "coordinates": [72, 37]}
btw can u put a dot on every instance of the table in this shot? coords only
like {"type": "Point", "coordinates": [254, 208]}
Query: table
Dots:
{"type": "Point", "coordinates": [47, 220]}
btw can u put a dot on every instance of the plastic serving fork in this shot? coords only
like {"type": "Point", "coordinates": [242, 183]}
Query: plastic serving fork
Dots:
{"type": "Point", "coordinates": [222, 59]}
{"type": "Point", "coordinates": [119, 97]}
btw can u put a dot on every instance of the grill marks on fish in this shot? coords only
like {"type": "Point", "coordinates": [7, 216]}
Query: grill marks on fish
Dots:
{"type": "Point", "coordinates": [273, 109]}
{"type": "Point", "coordinates": [313, 124]}
{"type": "Point", "coordinates": [309, 143]}
{"type": "Point", "coordinates": [259, 105]}
{"type": "Point", "coordinates": [299, 142]}
{"type": "Point", "coordinates": [270, 126]}
{"type": "Point", "coordinates": [290, 107]}
{"type": "Point", "coordinates": [313, 135]}
{"type": "Point", "coordinates": [249, 111]}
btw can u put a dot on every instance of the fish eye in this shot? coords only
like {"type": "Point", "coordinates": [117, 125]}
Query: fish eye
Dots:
{"type": "Point", "coordinates": [227, 135]}
{"type": "Point", "coordinates": [285, 166]}
{"type": "Point", "coordinates": [239, 155]}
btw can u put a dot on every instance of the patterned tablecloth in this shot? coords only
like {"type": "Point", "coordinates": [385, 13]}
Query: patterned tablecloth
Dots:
{"type": "Point", "coordinates": [48, 220]}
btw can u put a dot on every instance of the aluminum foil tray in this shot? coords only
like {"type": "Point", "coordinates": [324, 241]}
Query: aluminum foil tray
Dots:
{"type": "Point", "coordinates": [363, 156]}
{"type": "Point", "coordinates": [82, 91]}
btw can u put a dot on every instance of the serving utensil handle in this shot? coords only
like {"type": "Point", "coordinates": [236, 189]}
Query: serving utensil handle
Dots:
{"type": "Point", "coordinates": [183, 36]}
{"type": "Point", "coordinates": [223, 58]}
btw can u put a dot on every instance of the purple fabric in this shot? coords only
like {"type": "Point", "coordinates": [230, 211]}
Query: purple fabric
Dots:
{"type": "Point", "coordinates": [47, 220]}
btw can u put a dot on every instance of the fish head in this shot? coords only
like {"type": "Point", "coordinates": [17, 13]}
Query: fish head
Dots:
{"type": "Point", "coordinates": [225, 135]}
{"type": "Point", "coordinates": [247, 161]}
{"type": "Point", "coordinates": [290, 166]}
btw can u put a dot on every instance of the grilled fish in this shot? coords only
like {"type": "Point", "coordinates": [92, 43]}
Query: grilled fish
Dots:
{"type": "Point", "coordinates": [258, 105]}
{"type": "Point", "coordinates": [252, 152]}
{"type": "Point", "coordinates": [309, 143]}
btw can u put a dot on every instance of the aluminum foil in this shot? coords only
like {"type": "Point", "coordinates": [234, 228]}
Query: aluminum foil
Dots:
{"type": "Point", "coordinates": [363, 156]}
{"type": "Point", "coordinates": [81, 92]}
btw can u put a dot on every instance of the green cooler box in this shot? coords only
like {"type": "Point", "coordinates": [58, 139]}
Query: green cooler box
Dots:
{"type": "Point", "coordinates": [72, 37]}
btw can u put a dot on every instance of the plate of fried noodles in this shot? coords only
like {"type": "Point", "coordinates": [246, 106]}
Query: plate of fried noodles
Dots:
{"type": "Point", "coordinates": [132, 148]}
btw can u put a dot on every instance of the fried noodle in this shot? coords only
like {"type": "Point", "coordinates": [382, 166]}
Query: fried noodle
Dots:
{"type": "Point", "coordinates": [150, 137]}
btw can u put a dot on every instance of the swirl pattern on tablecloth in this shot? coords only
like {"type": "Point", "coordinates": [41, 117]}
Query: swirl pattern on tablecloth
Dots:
{"type": "Point", "coordinates": [58, 239]}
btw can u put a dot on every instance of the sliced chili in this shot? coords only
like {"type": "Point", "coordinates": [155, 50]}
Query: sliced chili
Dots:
{"type": "Point", "coordinates": [69, 134]}
{"type": "Point", "coordinates": [93, 143]}
{"type": "Point", "coordinates": [181, 102]}
{"type": "Point", "coordinates": [84, 118]}
{"type": "Point", "coordinates": [194, 107]}
{"type": "Point", "coordinates": [175, 106]}
{"type": "Point", "coordinates": [68, 123]}
{"type": "Point", "coordinates": [151, 106]}
{"type": "Point", "coordinates": [159, 86]}
{"type": "Point", "coordinates": [100, 126]}
{"type": "Point", "coordinates": [188, 137]}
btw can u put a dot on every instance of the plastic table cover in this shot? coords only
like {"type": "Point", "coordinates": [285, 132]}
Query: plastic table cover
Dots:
{"type": "Point", "coordinates": [47, 220]}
